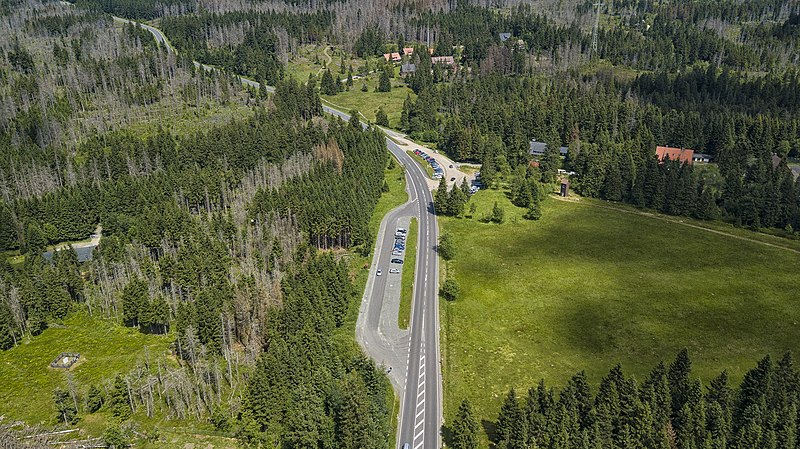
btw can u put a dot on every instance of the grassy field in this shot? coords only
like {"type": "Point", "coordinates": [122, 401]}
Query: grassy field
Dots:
{"type": "Point", "coordinates": [26, 390]}
{"type": "Point", "coordinates": [407, 284]}
{"type": "Point", "coordinates": [368, 102]}
{"type": "Point", "coordinates": [588, 286]}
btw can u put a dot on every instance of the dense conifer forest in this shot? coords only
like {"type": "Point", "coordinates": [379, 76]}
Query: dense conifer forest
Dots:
{"type": "Point", "coordinates": [667, 409]}
{"type": "Point", "coordinates": [229, 236]}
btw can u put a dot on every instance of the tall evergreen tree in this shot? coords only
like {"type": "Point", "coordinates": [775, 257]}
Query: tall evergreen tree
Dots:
{"type": "Point", "coordinates": [465, 428]}
{"type": "Point", "coordinates": [384, 84]}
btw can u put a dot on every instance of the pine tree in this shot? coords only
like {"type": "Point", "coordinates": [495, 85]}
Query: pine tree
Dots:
{"type": "Point", "coordinates": [456, 201]}
{"type": "Point", "coordinates": [441, 198]}
{"type": "Point", "coordinates": [511, 424]}
{"type": "Point", "coordinates": [678, 377]}
{"type": "Point", "coordinates": [94, 399]}
{"type": "Point", "coordinates": [498, 214]}
{"type": "Point", "coordinates": [534, 209]}
{"type": "Point", "coordinates": [135, 301]}
{"type": "Point", "coordinates": [381, 119]}
{"type": "Point", "coordinates": [65, 406]}
{"type": "Point", "coordinates": [328, 86]}
{"type": "Point", "coordinates": [118, 402]}
{"type": "Point", "coordinates": [465, 428]}
{"type": "Point", "coordinates": [384, 84]}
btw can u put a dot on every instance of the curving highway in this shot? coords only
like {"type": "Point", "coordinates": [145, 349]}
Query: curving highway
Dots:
{"type": "Point", "coordinates": [413, 356]}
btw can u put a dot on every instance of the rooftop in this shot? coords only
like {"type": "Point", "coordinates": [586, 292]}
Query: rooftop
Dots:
{"type": "Point", "coordinates": [674, 154]}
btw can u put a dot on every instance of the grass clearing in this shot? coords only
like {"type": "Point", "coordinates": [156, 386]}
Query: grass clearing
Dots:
{"type": "Point", "coordinates": [368, 102]}
{"type": "Point", "coordinates": [407, 283]}
{"type": "Point", "coordinates": [586, 287]}
{"type": "Point", "coordinates": [106, 349]}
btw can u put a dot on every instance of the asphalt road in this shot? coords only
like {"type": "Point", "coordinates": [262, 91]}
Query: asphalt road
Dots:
{"type": "Point", "coordinates": [420, 384]}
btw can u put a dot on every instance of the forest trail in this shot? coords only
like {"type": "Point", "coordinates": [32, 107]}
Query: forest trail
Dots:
{"type": "Point", "coordinates": [678, 221]}
{"type": "Point", "coordinates": [327, 64]}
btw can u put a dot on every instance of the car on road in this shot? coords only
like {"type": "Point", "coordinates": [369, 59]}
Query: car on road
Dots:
{"type": "Point", "coordinates": [406, 446]}
{"type": "Point", "coordinates": [397, 252]}
{"type": "Point", "coordinates": [394, 271]}
{"type": "Point", "coordinates": [453, 178]}
{"type": "Point", "coordinates": [397, 261]}
{"type": "Point", "coordinates": [451, 166]}
{"type": "Point", "coordinates": [379, 272]}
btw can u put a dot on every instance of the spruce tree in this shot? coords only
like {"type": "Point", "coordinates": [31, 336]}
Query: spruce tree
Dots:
{"type": "Point", "coordinates": [498, 213]}
{"type": "Point", "coordinates": [118, 402]}
{"type": "Point", "coordinates": [534, 211]}
{"type": "Point", "coordinates": [511, 424]}
{"type": "Point", "coordinates": [465, 428]}
{"type": "Point", "coordinates": [328, 84]}
{"type": "Point", "coordinates": [65, 406]}
{"type": "Point", "coordinates": [94, 399]}
{"type": "Point", "coordinates": [678, 377]}
{"type": "Point", "coordinates": [381, 119]}
{"type": "Point", "coordinates": [384, 84]}
{"type": "Point", "coordinates": [441, 198]}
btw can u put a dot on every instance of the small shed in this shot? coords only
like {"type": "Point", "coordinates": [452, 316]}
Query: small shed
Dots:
{"type": "Point", "coordinates": [564, 187]}
{"type": "Point", "coordinates": [505, 36]}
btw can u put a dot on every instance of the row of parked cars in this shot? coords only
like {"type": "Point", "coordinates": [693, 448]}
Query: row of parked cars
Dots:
{"type": "Point", "coordinates": [438, 171]}
{"type": "Point", "coordinates": [397, 251]}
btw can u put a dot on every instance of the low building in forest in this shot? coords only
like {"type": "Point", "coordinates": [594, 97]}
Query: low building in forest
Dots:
{"type": "Point", "coordinates": [444, 60]}
{"type": "Point", "coordinates": [701, 157]}
{"type": "Point", "coordinates": [683, 155]}
{"type": "Point", "coordinates": [537, 148]}
{"type": "Point", "coordinates": [407, 69]}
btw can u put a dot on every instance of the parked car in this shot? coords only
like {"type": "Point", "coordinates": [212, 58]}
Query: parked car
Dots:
{"type": "Point", "coordinates": [379, 272]}
{"type": "Point", "coordinates": [394, 271]}
{"type": "Point", "coordinates": [453, 178]}
{"type": "Point", "coordinates": [397, 261]}
{"type": "Point", "coordinates": [451, 166]}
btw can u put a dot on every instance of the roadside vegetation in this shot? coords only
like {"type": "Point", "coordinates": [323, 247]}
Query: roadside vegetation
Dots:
{"type": "Point", "coordinates": [422, 163]}
{"type": "Point", "coordinates": [585, 288]}
{"type": "Point", "coordinates": [409, 269]}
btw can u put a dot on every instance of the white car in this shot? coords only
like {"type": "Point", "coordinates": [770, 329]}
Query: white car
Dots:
{"type": "Point", "coordinates": [379, 272]}
{"type": "Point", "coordinates": [394, 271]}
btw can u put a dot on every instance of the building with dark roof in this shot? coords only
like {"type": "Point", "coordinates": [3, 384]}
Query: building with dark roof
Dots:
{"type": "Point", "coordinates": [408, 69]}
{"type": "Point", "coordinates": [701, 157]}
{"type": "Point", "coordinates": [539, 148]}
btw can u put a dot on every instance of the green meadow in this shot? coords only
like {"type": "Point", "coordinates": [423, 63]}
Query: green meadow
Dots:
{"type": "Point", "coordinates": [591, 285]}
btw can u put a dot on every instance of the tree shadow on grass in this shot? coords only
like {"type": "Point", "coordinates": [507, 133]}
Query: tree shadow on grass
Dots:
{"type": "Point", "coordinates": [491, 431]}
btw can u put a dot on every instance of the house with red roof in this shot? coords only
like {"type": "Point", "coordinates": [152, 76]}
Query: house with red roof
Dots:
{"type": "Point", "coordinates": [393, 56]}
{"type": "Point", "coordinates": [675, 154]}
